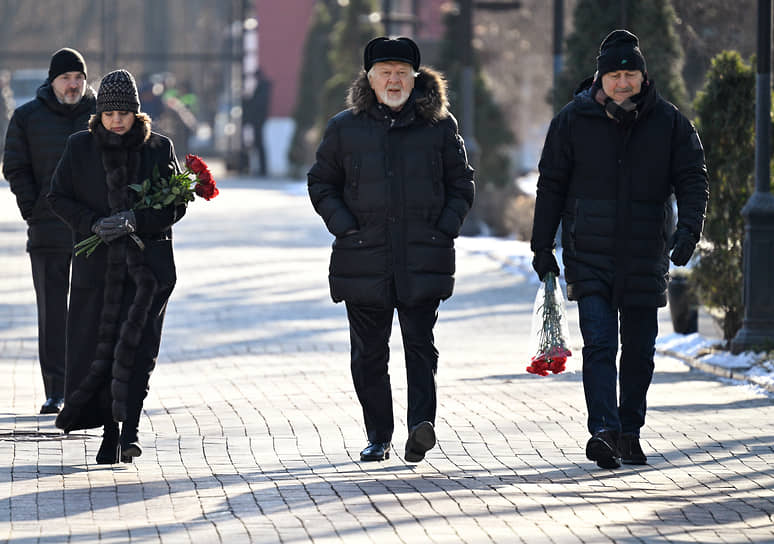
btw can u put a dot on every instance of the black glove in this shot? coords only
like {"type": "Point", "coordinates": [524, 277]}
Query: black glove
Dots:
{"type": "Point", "coordinates": [682, 246]}
{"type": "Point", "coordinates": [114, 226]}
{"type": "Point", "coordinates": [545, 262]}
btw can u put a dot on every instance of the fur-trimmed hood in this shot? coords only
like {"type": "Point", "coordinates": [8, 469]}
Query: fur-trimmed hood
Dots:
{"type": "Point", "coordinates": [430, 98]}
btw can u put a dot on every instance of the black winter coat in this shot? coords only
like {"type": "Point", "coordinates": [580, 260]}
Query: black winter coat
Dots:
{"type": "Point", "coordinates": [36, 137]}
{"type": "Point", "coordinates": [404, 184]}
{"type": "Point", "coordinates": [610, 183]}
{"type": "Point", "coordinates": [80, 196]}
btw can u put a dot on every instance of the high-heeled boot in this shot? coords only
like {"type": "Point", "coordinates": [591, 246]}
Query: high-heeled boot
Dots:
{"type": "Point", "coordinates": [130, 445]}
{"type": "Point", "coordinates": [110, 449]}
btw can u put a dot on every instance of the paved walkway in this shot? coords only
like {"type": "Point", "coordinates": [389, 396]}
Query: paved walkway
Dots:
{"type": "Point", "coordinates": [252, 429]}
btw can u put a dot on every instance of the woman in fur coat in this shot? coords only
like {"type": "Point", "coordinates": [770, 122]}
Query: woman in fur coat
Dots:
{"type": "Point", "coordinates": [119, 293]}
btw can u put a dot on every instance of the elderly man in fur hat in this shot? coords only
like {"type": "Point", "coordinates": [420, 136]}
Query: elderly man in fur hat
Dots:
{"type": "Point", "coordinates": [611, 160]}
{"type": "Point", "coordinates": [393, 184]}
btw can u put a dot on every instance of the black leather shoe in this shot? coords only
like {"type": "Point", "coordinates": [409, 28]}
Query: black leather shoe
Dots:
{"type": "Point", "coordinates": [376, 451]}
{"type": "Point", "coordinates": [109, 450]}
{"type": "Point", "coordinates": [130, 451]}
{"type": "Point", "coordinates": [52, 405]}
{"type": "Point", "coordinates": [603, 448]}
{"type": "Point", "coordinates": [420, 440]}
{"type": "Point", "coordinates": [631, 452]}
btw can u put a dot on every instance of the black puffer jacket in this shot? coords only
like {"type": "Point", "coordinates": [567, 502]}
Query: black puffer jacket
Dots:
{"type": "Point", "coordinates": [610, 184]}
{"type": "Point", "coordinates": [404, 183]}
{"type": "Point", "coordinates": [35, 140]}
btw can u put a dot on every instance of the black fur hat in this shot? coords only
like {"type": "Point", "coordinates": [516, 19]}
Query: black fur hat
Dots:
{"type": "Point", "coordinates": [384, 49]}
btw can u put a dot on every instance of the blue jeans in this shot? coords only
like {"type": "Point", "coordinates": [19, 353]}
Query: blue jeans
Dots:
{"type": "Point", "coordinates": [600, 326]}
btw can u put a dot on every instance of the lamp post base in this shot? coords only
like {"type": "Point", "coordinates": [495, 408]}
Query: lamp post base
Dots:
{"type": "Point", "coordinates": [757, 330]}
{"type": "Point", "coordinates": [752, 338]}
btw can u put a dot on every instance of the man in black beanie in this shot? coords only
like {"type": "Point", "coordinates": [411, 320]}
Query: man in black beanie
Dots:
{"type": "Point", "coordinates": [611, 161]}
{"type": "Point", "coordinates": [34, 142]}
{"type": "Point", "coordinates": [393, 184]}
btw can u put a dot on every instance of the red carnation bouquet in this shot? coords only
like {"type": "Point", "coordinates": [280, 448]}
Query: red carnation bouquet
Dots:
{"type": "Point", "coordinates": [158, 192]}
{"type": "Point", "coordinates": [549, 338]}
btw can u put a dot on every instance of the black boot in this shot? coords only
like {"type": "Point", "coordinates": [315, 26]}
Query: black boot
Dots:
{"type": "Point", "coordinates": [130, 445]}
{"type": "Point", "coordinates": [603, 448]}
{"type": "Point", "coordinates": [631, 452]}
{"type": "Point", "coordinates": [110, 449]}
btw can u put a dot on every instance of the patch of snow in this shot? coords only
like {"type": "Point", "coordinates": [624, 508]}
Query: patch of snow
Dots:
{"type": "Point", "coordinates": [527, 183]}
{"type": "Point", "coordinates": [687, 344]}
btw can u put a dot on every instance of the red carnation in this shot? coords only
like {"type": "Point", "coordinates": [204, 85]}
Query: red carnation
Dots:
{"type": "Point", "coordinates": [549, 330]}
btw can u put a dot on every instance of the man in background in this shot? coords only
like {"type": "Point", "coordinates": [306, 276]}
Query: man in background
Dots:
{"type": "Point", "coordinates": [35, 140]}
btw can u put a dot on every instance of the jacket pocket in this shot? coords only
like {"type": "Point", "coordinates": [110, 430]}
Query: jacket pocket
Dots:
{"type": "Point", "coordinates": [422, 233]}
{"type": "Point", "coordinates": [361, 253]}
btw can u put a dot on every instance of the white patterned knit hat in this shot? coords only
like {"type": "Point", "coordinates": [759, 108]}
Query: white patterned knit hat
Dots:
{"type": "Point", "coordinates": [118, 92]}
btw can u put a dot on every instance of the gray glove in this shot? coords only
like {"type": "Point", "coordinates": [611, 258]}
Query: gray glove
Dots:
{"type": "Point", "coordinates": [682, 246]}
{"type": "Point", "coordinates": [114, 226]}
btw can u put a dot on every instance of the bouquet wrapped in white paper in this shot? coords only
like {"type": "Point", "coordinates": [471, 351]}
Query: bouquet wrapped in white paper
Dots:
{"type": "Point", "coordinates": [550, 337]}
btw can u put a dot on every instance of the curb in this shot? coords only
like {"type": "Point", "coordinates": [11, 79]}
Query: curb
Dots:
{"type": "Point", "coordinates": [730, 373]}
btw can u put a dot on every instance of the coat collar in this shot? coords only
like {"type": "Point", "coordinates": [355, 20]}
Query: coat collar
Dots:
{"type": "Point", "coordinates": [429, 98]}
{"type": "Point", "coordinates": [586, 104]}
{"type": "Point", "coordinates": [45, 93]}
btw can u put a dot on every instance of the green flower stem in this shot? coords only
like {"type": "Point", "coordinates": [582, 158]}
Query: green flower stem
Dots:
{"type": "Point", "coordinates": [550, 335]}
{"type": "Point", "coordinates": [88, 245]}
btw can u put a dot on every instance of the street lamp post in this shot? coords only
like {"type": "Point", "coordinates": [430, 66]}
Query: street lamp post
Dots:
{"type": "Point", "coordinates": [558, 41]}
{"type": "Point", "coordinates": [758, 251]}
{"type": "Point", "coordinates": [467, 82]}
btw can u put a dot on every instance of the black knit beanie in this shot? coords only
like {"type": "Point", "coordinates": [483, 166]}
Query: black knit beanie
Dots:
{"type": "Point", "coordinates": [118, 92]}
{"type": "Point", "coordinates": [620, 50]}
{"type": "Point", "coordinates": [383, 49]}
{"type": "Point", "coordinates": [66, 60]}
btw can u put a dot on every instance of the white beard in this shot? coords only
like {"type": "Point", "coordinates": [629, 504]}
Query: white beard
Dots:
{"type": "Point", "coordinates": [394, 103]}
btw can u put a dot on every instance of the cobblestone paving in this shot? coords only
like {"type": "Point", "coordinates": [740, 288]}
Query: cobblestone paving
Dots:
{"type": "Point", "coordinates": [251, 431]}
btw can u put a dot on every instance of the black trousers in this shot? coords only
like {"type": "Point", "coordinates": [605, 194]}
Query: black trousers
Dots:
{"type": "Point", "coordinates": [369, 331]}
{"type": "Point", "coordinates": [51, 278]}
